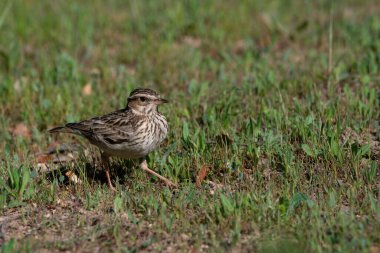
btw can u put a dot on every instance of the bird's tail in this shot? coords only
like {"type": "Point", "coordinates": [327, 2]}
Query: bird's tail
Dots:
{"type": "Point", "coordinates": [60, 129]}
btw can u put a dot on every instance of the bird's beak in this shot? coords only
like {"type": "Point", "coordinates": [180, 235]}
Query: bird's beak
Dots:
{"type": "Point", "coordinates": [161, 101]}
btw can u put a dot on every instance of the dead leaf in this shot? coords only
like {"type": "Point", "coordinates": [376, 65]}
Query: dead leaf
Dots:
{"type": "Point", "coordinates": [214, 187]}
{"type": "Point", "coordinates": [73, 177]}
{"type": "Point", "coordinates": [201, 175]}
{"type": "Point", "coordinates": [21, 130]}
{"type": "Point", "coordinates": [87, 89]}
{"type": "Point", "coordinates": [43, 168]}
{"type": "Point", "coordinates": [44, 158]}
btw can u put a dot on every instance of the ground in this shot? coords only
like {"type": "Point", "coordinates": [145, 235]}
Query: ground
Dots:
{"type": "Point", "coordinates": [273, 114]}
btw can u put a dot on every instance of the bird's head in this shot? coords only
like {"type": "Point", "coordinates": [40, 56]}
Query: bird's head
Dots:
{"type": "Point", "coordinates": [145, 101]}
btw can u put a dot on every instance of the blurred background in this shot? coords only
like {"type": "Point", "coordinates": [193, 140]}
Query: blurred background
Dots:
{"type": "Point", "coordinates": [63, 59]}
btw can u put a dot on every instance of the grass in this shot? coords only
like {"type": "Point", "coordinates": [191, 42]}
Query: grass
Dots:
{"type": "Point", "coordinates": [279, 100]}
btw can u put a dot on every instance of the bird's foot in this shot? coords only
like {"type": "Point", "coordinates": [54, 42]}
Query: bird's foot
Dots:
{"type": "Point", "coordinates": [144, 166]}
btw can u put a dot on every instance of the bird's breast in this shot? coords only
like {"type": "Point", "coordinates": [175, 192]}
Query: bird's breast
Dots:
{"type": "Point", "coordinates": [146, 137]}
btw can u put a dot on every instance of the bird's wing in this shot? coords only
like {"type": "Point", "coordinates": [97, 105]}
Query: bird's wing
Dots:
{"type": "Point", "coordinates": [113, 128]}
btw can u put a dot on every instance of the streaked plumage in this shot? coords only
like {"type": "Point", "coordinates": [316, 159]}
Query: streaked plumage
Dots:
{"type": "Point", "coordinates": [132, 132]}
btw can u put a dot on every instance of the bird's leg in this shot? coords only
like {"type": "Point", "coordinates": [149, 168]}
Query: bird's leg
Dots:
{"type": "Point", "coordinates": [106, 167]}
{"type": "Point", "coordinates": [144, 166]}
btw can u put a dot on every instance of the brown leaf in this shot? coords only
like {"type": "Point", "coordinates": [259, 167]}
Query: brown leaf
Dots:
{"type": "Point", "coordinates": [73, 177]}
{"type": "Point", "coordinates": [201, 175]}
{"type": "Point", "coordinates": [44, 158]}
{"type": "Point", "coordinates": [21, 130]}
{"type": "Point", "coordinates": [87, 89]}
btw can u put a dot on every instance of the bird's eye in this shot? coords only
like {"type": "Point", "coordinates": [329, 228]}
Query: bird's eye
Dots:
{"type": "Point", "coordinates": [142, 99]}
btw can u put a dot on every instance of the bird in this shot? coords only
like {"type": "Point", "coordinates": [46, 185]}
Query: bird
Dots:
{"type": "Point", "coordinates": [129, 133]}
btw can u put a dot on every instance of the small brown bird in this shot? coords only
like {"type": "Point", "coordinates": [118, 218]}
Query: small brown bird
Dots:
{"type": "Point", "coordinates": [132, 132]}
